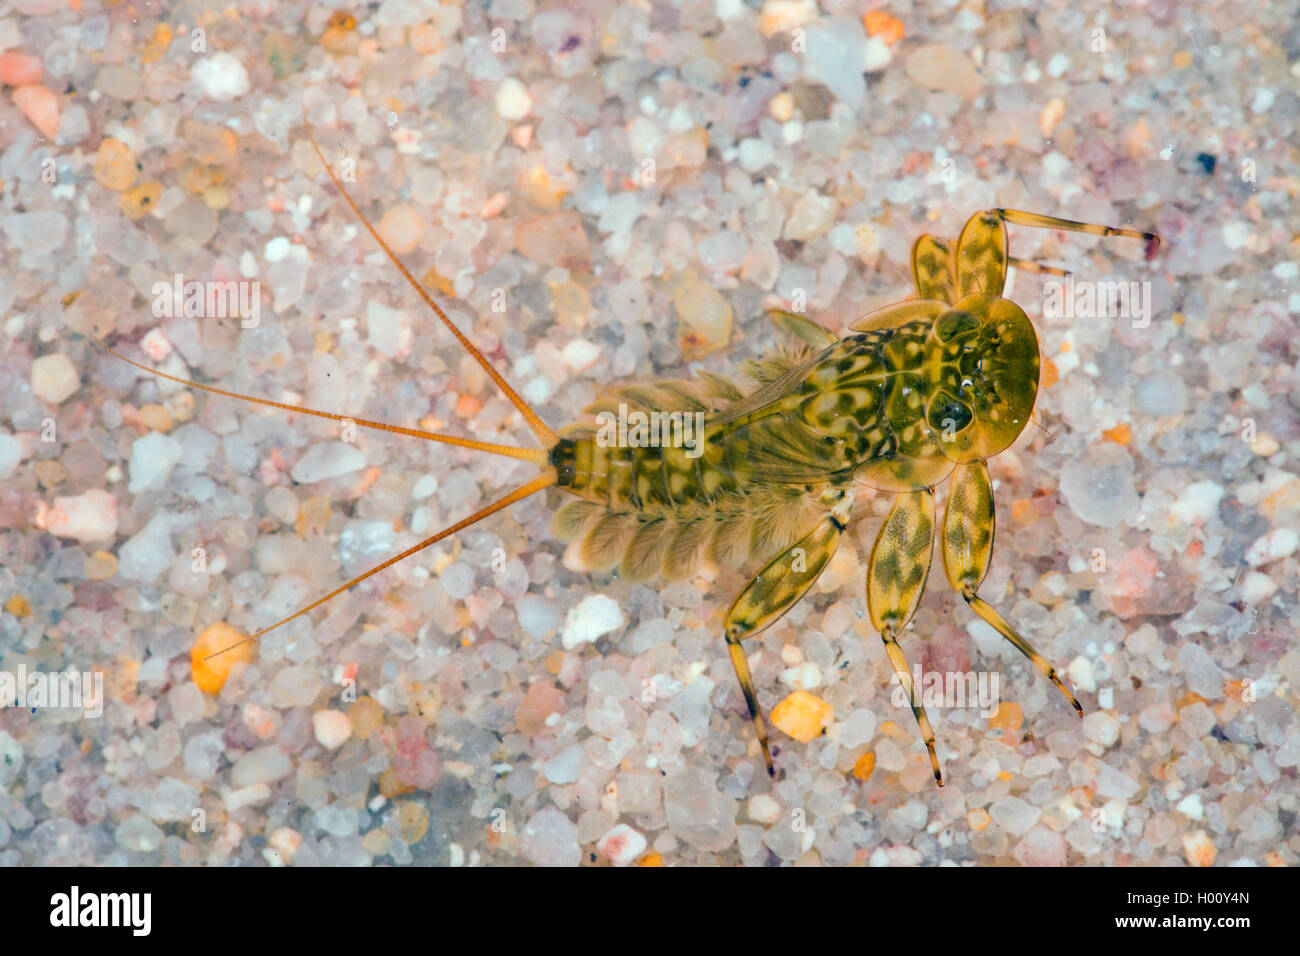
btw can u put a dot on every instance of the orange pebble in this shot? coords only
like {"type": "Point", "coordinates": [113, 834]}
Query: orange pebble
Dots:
{"type": "Point", "coordinates": [1199, 849]}
{"type": "Point", "coordinates": [651, 859]}
{"type": "Point", "coordinates": [114, 167]}
{"type": "Point", "coordinates": [1008, 717]}
{"type": "Point", "coordinates": [866, 763]}
{"type": "Point", "coordinates": [1023, 510]}
{"type": "Point", "coordinates": [1121, 434]}
{"type": "Point", "coordinates": [802, 715]}
{"type": "Point", "coordinates": [209, 673]}
{"type": "Point", "coordinates": [1049, 376]}
{"type": "Point", "coordinates": [434, 281]}
{"type": "Point", "coordinates": [139, 200]}
{"type": "Point", "coordinates": [467, 406]}
{"type": "Point", "coordinates": [881, 24]}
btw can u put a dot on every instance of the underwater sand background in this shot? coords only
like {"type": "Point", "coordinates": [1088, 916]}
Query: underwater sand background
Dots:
{"type": "Point", "coordinates": [634, 184]}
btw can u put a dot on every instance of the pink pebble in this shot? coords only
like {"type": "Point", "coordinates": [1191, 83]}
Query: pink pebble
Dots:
{"type": "Point", "coordinates": [420, 769]}
{"type": "Point", "coordinates": [87, 517]}
{"type": "Point", "coordinates": [622, 844]}
{"type": "Point", "coordinates": [410, 733]}
{"type": "Point", "coordinates": [40, 106]}
{"type": "Point", "coordinates": [156, 345]}
{"type": "Point", "coordinates": [19, 69]}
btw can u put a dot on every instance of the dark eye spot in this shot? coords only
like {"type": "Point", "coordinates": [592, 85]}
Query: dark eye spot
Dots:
{"type": "Point", "coordinates": [571, 43]}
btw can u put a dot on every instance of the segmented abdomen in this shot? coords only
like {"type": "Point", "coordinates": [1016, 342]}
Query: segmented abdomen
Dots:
{"type": "Point", "coordinates": [854, 411]}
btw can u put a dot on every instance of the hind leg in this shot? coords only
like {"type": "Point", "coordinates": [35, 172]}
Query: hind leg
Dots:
{"type": "Point", "coordinates": [772, 592]}
{"type": "Point", "coordinates": [1019, 217]}
{"type": "Point", "coordinates": [967, 550]}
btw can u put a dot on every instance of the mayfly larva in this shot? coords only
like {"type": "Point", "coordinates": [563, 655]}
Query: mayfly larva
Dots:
{"type": "Point", "coordinates": [923, 390]}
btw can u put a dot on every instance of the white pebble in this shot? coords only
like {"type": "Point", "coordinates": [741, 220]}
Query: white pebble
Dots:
{"type": "Point", "coordinates": [327, 459]}
{"type": "Point", "coordinates": [1058, 64]}
{"type": "Point", "coordinates": [763, 809]}
{"type": "Point", "coordinates": [580, 354]}
{"type": "Point", "coordinates": [876, 55]}
{"type": "Point", "coordinates": [755, 154]}
{"type": "Point", "coordinates": [1112, 813]}
{"type": "Point", "coordinates": [139, 833]}
{"type": "Point", "coordinates": [1081, 676]}
{"type": "Point", "coordinates": [1101, 728]}
{"type": "Point", "coordinates": [550, 838]}
{"type": "Point", "coordinates": [513, 101]}
{"type": "Point", "coordinates": [263, 765]}
{"type": "Point", "coordinates": [236, 800]}
{"type": "Point", "coordinates": [1202, 674]}
{"type": "Point", "coordinates": [857, 729]}
{"type": "Point", "coordinates": [1263, 100]}
{"type": "Point", "coordinates": [54, 378]}
{"type": "Point", "coordinates": [1199, 501]}
{"type": "Point", "coordinates": [594, 616]}
{"type": "Point", "coordinates": [294, 686]}
{"type": "Point", "coordinates": [276, 249]}
{"type": "Point", "coordinates": [1257, 588]}
{"type": "Point", "coordinates": [149, 552]}
{"type": "Point", "coordinates": [565, 766]}
{"type": "Point", "coordinates": [87, 517]}
{"type": "Point", "coordinates": [1235, 233]}
{"type": "Point", "coordinates": [11, 453]}
{"type": "Point", "coordinates": [424, 486]}
{"type": "Point", "coordinates": [390, 329]}
{"type": "Point", "coordinates": [1014, 815]}
{"type": "Point", "coordinates": [1278, 543]}
{"type": "Point", "coordinates": [805, 676]}
{"type": "Point", "coordinates": [332, 728]}
{"type": "Point", "coordinates": [1191, 807]}
{"type": "Point", "coordinates": [153, 456]}
{"type": "Point", "coordinates": [186, 702]}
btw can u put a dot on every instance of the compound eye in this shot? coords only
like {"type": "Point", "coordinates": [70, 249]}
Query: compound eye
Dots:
{"type": "Point", "coordinates": [947, 415]}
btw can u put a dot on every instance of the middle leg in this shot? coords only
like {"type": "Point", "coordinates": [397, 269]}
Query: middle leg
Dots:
{"type": "Point", "coordinates": [896, 574]}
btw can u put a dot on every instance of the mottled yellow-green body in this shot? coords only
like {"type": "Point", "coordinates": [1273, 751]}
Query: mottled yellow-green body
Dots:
{"type": "Point", "coordinates": [920, 391]}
